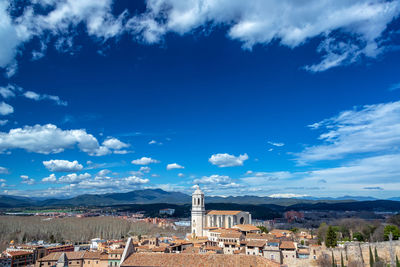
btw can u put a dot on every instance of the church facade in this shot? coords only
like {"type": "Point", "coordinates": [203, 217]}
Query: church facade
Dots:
{"type": "Point", "coordinates": [214, 218]}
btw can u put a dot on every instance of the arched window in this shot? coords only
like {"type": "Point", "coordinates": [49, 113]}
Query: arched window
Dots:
{"type": "Point", "coordinates": [241, 220]}
{"type": "Point", "coordinates": [198, 201]}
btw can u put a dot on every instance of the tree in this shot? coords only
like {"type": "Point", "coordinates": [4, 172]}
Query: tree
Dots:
{"type": "Point", "coordinates": [391, 229]}
{"type": "Point", "coordinates": [341, 260]}
{"type": "Point", "coordinates": [397, 262]}
{"type": "Point", "coordinates": [358, 236]}
{"type": "Point", "coordinates": [377, 259]}
{"type": "Point", "coordinates": [263, 229]}
{"type": "Point", "coordinates": [333, 260]}
{"type": "Point", "coordinates": [294, 230]}
{"type": "Point", "coordinates": [371, 258]}
{"type": "Point", "coordinates": [330, 240]}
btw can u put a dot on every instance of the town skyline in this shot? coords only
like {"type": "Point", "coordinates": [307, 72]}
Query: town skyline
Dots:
{"type": "Point", "coordinates": [108, 96]}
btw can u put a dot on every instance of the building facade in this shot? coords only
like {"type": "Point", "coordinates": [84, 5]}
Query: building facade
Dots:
{"type": "Point", "coordinates": [214, 218]}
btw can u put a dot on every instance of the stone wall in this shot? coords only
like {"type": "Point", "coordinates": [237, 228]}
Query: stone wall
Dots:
{"type": "Point", "coordinates": [351, 251]}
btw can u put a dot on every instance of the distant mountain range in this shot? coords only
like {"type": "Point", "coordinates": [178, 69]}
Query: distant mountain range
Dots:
{"type": "Point", "coordinates": [152, 196]}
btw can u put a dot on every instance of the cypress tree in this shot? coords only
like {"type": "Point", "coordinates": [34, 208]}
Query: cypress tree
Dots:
{"type": "Point", "coordinates": [341, 260]}
{"type": "Point", "coordinates": [371, 258]}
{"type": "Point", "coordinates": [397, 262]}
{"type": "Point", "coordinates": [376, 256]}
{"type": "Point", "coordinates": [333, 260]}
{"type": "Point", "coordinates": [330, 240]}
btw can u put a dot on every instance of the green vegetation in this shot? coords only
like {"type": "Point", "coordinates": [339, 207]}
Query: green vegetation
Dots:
{"type": "Point", "coordinates": [331, 239]}
{"type": "Point", "coordinates": [263, 229]}
{"type": "Point", "coordinates": [371, 258]}
{"type": "Point", "coordinates": [391, 229]}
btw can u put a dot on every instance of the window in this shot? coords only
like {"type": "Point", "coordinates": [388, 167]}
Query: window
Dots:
{"type": "Point", "coordinates": [272, 256]}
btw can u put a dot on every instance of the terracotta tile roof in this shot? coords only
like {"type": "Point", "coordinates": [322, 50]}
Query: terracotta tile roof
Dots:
{"type": "Point", "coordinates": [230, 235]}
{"type": "Point", "coordinates": [117, 251]}
{"type": "Point", "coordinates": [196, 260]}
{"type": "Point", "coordinates": [159, 249]}
{"type": "Point", "coordinates": [224, 212]}
{"type": "Point", "coordinates": [212, 248]}
{"type": "Point", "coordinates": [303, 251]}
{"type": "Point", "coordinates": [287, 245]}
{"type": "Point", "coordinates": [250, 236]}
{"type": "Point", "coordinates": [19, 253]}
{"type": "Point", "coordinates": [246, 227]}
{"type": "Point", "coordinates": [256, 243]}
{"type": "Point", "coordinates": [91, 255]}
{"type": "Point", "coordinates": [78, 255]}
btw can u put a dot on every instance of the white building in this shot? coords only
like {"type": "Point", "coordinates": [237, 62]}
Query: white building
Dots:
{"type": "Point", "coordinates": [214, 218]}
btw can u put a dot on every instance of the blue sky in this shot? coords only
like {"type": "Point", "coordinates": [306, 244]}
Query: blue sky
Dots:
{"type": "Point", "coordinates": [258, 98]}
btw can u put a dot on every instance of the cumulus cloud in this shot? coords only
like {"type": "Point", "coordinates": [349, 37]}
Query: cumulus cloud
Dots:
{"type": "Point", "coordinates": [114, 143]}
{"type": "Point", "coordinates": [5, 108]}
{"type": "Point", "coordinates": [368, 129]}
{"type": "Point", "coordinates": [3, 122]}
{"type": "Point", "coordinates": [27, 180]}
{"type": "Point", "coordinates": [144, 161]}
{"type": "Point", "coordinates": [73, 178]}
{"type": "Point", "coordinates": [49, 139]}
{"type": "Point", "coordinates": [213, 179]}
{"type": "Point", "coordinates": [56, 165]}
{"type": "Point", "coordinates": [227, 160]}
{"type": "Point", "coordinates": [50, 179]}
{"type": "Point", "coordinates": [173, 166]}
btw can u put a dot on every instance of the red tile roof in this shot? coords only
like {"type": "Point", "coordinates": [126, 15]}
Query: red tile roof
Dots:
{"type": "Point", "coordinates": [196, 260]}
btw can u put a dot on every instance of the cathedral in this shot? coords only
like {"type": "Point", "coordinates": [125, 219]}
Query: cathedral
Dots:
{"type": "Point", "coordinates": [213, 218]}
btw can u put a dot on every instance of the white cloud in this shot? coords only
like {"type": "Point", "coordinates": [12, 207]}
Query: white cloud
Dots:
{"type": "Point", "coordinates": [3, 122]}
{"type": "Point", "coordinates": [114, 143]}
{"type": "Point", "coordinates": [287, 195]}
{"type": "Point", "coordinates": [255, 178]}
{"type": "Point", "coordinates": [154, 142]}
{"type": "Point", "coordinates": [213, 179]}
{"type": "Point", "coordinates": [49, 139]}
{"type": "Point", "coordinates": [275, 144]}
{"type": "Point", "coordinates": [103, 173]}
{"type": "Point", "coordinates": [173, 166]}
{"type": "Point", "coordinates": [227, 160]}
{"type": "Point", "coordinates": [144, 161]}
{"type": "Point", "coordinates": [5, 108]}
{"type": "Point", "coordinates": [181, 175]}
{"type": "Point", "coordinates": [3, 170]}
{"type": "Point", "coordinates": [62, 165]}
{"type": "Point", "coordinates": [37, 97]}
{"type": "Point", "coordinates": [145, 169]}
{"type": "Point", "coordinates": [73, 178]}
{"type": "Point", "coordinates": [7, 91]}
{"type": "Point", "coordinates": [369, 129]}
{"type": "Point", "coordinates": [27, 180]}
{"type": "Point", "coordinates": [51, 179]}
{"type": "Point", "coordinates": [288, 22]}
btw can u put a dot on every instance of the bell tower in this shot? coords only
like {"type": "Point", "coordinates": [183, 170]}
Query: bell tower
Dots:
{"type": "Point", "coordinates": [198, 212]}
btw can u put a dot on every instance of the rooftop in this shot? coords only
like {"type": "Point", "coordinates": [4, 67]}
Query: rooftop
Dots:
{"type": "Point", "coordinates": [224, 212]}
{"type": "Point", "coordinates": [196, 260]}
